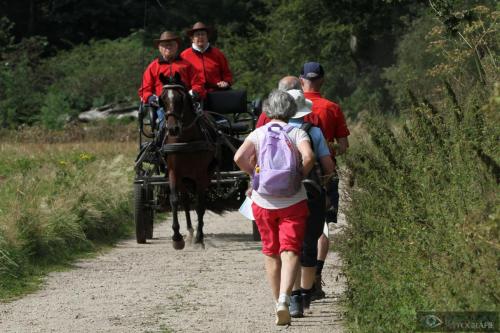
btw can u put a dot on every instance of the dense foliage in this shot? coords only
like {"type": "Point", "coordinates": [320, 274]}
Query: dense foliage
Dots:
{"type": "Point", "coordinates": [424, 216]}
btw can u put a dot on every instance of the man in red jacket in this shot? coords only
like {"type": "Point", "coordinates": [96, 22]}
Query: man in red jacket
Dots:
{"type": "Point", "coordinates": [209, 61]}
{"type": "Point", "coordinates": [168, 63]}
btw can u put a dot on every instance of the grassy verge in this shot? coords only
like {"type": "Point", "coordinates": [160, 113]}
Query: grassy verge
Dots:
{"type": "Point", "coordinates": [59, 202]}
{"type": "Point", "coordinates": [424, 218]}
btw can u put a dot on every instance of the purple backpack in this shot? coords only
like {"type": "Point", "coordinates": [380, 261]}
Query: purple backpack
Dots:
{"type": "Point", "coordinates": [278, 170]}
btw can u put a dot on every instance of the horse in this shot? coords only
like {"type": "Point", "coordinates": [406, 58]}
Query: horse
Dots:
{"type": "Point", "coordinates": [190, 155]}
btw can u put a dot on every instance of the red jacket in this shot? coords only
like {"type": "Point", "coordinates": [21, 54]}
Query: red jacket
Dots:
{"type": "Point", "coordinates": [211, 65]}
{"type": "Point", "coordinates": [331, 119]}
{"type": "Point", "coordinates": [151, 84]}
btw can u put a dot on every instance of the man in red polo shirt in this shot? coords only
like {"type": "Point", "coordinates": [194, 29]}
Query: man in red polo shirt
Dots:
{"type": "Point", "coordinates": [333, 125]}
{"type": "Point", "coordinates": [332, 120]}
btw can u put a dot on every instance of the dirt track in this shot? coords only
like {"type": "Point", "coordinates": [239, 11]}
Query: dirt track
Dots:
{"type": "Point", "coordinates": [153, 288]}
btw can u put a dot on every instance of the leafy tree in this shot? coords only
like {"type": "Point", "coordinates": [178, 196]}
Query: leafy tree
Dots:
{"type": "Point", "coordinates": [6, 41]}
{"type": "Point", "coordinates": [22, 86]}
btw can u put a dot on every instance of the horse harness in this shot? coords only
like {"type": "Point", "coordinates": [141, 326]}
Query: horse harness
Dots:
{"type": "Point", "coordinates": [185, 147]}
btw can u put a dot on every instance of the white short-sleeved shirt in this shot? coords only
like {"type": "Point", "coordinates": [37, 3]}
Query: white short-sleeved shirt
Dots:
{"type": "Point", "coordinates": [268, 201]}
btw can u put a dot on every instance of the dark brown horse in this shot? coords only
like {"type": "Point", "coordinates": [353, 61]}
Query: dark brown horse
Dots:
{"type": "Point", "coordinates": [190, 155]}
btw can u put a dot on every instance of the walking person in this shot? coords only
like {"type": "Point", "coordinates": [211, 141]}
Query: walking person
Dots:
{"type": "Point", "coordinates": [280, 218]}
{"type": "Point", "coordinates": [333, 125]}
{"type": "Point", "coordinates": [324, 168]}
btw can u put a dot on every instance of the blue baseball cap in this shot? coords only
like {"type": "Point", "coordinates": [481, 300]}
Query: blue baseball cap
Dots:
{"type": "Point", "coordinates": [312, 71]}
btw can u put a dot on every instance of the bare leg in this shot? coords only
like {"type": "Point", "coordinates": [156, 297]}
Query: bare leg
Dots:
{"type": "Point", "coordinates": [273, 272]}
{"type": "Point", "coordinates": [308, 274]}
{"type": "Point", "coordinates": [290, 264]}
{"type": "Point", "coordinates": [296, 284]}
{"type": "Point", "coordinates": [323, 245]}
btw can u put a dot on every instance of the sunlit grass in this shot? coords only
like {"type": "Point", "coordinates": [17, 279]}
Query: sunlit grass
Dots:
{"type": "Point", "coordinates": [59, 201]}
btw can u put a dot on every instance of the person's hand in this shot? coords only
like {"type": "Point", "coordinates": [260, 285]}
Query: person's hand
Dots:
{"type": "Point", "coordinates": [153, 101]}
{"type": "Point", "coordinates": [222, 84]}
{"type": "Point", "coordinates": [194, 95]}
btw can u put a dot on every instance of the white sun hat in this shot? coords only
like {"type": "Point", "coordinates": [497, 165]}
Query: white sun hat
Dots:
{"type": "Point", "coordinates": [304, 105]}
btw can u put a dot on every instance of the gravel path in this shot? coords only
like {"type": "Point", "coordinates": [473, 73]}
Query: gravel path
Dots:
{"type": "Point", "coordinates": [153, 288]}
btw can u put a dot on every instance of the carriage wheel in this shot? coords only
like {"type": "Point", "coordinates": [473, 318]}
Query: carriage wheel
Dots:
{"type": "Point", "coordinates": [140, 213]}
{"type": "Point", "coordinates": [149, 216]}
{"type": "Point", "coordinates": [255, 232]}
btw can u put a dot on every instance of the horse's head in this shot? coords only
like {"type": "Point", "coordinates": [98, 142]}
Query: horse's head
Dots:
{"type": "Point", "coordinates": [175, 101]}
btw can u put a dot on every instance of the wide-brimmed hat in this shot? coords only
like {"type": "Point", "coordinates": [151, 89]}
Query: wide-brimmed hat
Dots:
{"type": "Point", "coordinates": [167, 36]}
{"type": "Point", "coordinates": [199, 26]}
{"type": "Point", "coordinates": [304, 105]}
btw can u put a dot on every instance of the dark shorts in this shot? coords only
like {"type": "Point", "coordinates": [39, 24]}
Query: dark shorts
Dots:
{"type": "Point", "coordinates": [314, 229]}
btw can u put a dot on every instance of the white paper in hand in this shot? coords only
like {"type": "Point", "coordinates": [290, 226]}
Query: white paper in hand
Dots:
{"type": "Point", "coordinates": [246, 209]}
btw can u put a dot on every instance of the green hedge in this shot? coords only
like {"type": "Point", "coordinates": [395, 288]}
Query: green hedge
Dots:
{"type": "Point", "coordinates": [424, 217]}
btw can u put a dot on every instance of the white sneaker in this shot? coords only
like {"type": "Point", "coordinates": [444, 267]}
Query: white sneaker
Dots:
{"type": "Point", "coordinates": [283, 314]}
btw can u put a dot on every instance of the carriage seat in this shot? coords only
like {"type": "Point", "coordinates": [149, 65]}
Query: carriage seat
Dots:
{"type": "Point", "coordinates": [228, 102]}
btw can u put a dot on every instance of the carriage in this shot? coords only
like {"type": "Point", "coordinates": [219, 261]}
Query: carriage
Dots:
{"type": "Point", "coordinates": [232, 117]}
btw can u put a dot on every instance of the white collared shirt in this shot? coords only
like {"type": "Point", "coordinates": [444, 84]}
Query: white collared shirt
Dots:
{"type": "Point", "coordinates": [198, 49]}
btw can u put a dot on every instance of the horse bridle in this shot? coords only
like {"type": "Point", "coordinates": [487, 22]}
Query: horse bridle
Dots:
{"type": "Point", "coordinates": [171, 87]}
{"type": "Point", "coordinates": [170, 113]}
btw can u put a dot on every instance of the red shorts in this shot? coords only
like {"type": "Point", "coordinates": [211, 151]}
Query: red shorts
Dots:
{"type": "Point", "coordinates": [281, 229]}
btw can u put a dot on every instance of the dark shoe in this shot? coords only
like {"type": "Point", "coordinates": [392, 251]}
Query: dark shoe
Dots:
{"type": "Point", "coordinates": [296, 307]}
{"type": "Point", "coordinates": [318, 292]}
{"type": "Point", "coordinates": [306, 301]}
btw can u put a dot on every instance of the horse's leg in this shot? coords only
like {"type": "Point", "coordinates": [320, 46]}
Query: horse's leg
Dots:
{"type": "Point", "coordinates": [187, 207]}
{"type": "Point", "coordinates": [178, 240]}
{"type": "Point", "coordinates": [200, 212]}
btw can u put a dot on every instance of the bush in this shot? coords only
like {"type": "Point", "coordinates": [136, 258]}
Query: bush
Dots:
{"type": "Point", "coordinates": [47, 90]}
{"type": "Point", "coordinates": [423, 232]}
{"type": "Point", "coordinates": [55, 111]}
{"type": "Point", "coordinates": [99, 73]}
{"type": "Point", "coordinates": [424, 217]}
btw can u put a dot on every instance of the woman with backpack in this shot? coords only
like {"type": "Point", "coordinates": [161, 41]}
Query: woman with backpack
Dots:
{"type": "Point", "coordinates": [277, 156]}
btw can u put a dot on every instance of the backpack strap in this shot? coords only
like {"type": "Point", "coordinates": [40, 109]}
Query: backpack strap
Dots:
{"type": "Point", "coordinates": [315, 173]}
{"type": "Point", "coordinates": [306, 127]}
{"type": "Point", "coordinates": [288, 128]}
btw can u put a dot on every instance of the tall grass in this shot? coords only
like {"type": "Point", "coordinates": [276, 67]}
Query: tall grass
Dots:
{"type": "Point", "coordinates": [58, 200]}
{"type": "Point", "coordinates": [424, 218]}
